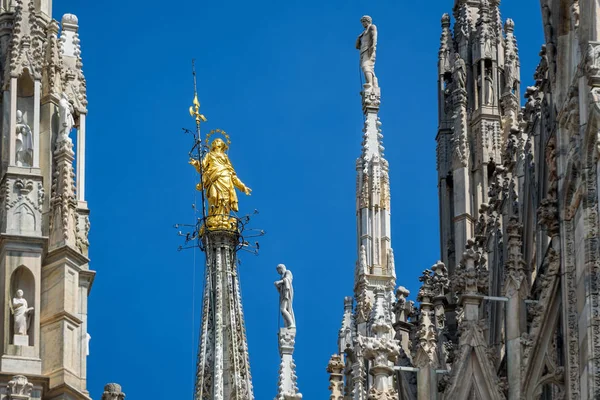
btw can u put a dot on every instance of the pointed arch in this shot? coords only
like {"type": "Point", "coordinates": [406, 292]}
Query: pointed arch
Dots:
{"type": "Point", "coordinates": [24, 219]}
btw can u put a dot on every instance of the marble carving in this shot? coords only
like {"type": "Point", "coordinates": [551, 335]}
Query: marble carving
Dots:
{"type": "Point", "coordinates": [21, 313]}
{"type": "Point", "coordinates": [367, 44]}
{"type": "Point", "coordinates": [286, 296]}
{"type": "Point", "coordinates": [24, 142]}
{"type": "Point", "coordinates": [66, 118]}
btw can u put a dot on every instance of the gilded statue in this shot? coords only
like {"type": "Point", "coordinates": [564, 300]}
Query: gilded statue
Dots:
{"type": "Point", "coordinates": [219, 181]}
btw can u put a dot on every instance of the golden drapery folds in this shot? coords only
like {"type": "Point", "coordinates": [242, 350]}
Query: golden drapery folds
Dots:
{"type": "Point", "coordinates": [219, 181]}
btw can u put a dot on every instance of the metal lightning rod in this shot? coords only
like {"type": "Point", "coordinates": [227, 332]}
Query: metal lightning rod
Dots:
{"type": "Point", "coordinates": [195, 113]}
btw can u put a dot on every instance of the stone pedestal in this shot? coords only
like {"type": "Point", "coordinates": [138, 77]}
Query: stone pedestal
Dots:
{"type": "Point", "coordinates": [21, 340]}
{"type": "Point", "coordinates": [223, 366]}
{"type": "Point", "coordinates": [288, 388]}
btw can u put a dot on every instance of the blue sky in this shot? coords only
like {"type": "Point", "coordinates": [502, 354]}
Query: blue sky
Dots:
{"type": "Point", "coordinates": [282, 78]}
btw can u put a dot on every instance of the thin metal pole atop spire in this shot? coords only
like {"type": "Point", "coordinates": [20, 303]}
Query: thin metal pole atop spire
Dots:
{"type": "Point", "coordinates": [195, 113]}
{"type": "Point", "coordinates": [195, 107]}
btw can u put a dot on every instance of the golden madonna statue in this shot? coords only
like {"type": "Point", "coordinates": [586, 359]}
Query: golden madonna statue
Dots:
{"type": "Point", "coordinates": [219, 181]}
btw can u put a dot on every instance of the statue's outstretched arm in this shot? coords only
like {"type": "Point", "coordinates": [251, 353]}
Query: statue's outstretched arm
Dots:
{"type": "Point", "coordinates": [239, 184]}
{"type": "Point", "coordinates": [195, 163]}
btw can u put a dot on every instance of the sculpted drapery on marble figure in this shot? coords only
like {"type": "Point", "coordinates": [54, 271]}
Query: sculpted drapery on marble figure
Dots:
{"type": "Point", "coordinates": [65, 112]}
{"type": "Point", "coordinates": [24, 142]}
{"type": "Point", "coordinates": [219, 180]}
{"type": "Point", "coordinates": [459, 72]}
{"type": "Point", "coordinates": [286, 296]}
{"type": "Point", "coordinates": [367, 44]}
{"type": "Point", "coordinates": [21, 313]}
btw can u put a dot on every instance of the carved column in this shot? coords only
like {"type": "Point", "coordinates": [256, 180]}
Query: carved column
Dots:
{"type": "Point", "coordinates": [288, 387]}
{"type": "Point", "coordinates": [515, 291]}
{"type": "Point", "coordinates": [358, 372]}
{"type": "Point", "coordinates": [336, 382]}
{"type": "Point", "coordinates": [381, 349]}
{"type": "Point", "coordinates": [403, 309]}
{"type": "Point", "coordinates": [63, 204]}
{"type": "Point", "coordinates": [425, 357]}
{"type": "Point", "coordinates": [440, 283]}
{"type": "Point", "coordinates": [81, 159]}
{"type": "Point", "coordinates": [223, 366]}
{"type": "Point", "coordinates": [375, 265]}
{"type": "Point", "coordinates": [345, 333]}
{"type": "Point", "coordinates": [463, 218]}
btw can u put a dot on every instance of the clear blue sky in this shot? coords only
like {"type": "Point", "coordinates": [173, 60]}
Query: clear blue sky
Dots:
{"type": "Point", "coordinates": [282, 78]}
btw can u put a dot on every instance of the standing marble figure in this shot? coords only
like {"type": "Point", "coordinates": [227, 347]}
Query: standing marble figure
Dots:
{"type": "Point", "coordinates": [65, 111]}
{"type": "Point", "coordinates": [367, 44]}
{"type": "Point", "coordinates": [286, 296]}
{"type": "Point", "coordinates": [21, 313]}
{"type": "Point", "coordinates": [459, 72]}
{"type": "Point", "coordinates": [24, 142]}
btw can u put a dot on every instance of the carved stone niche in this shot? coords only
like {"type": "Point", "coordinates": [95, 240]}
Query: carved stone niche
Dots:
{"type": "Point", "coordinates": [19, 388]}
{"type": "Point", "coordinates": [22, 279]}
{"type": "Point", "coordinates": [21, 202]}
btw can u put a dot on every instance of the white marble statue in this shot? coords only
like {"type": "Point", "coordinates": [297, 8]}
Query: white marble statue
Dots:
{"type": "Point", "coordinates": [367, 44]}
{"type": "Point", "coordinates": [459, 72]}
{"type": "Point", "coordinates": [88, 337]}
{"type": "Point", "coordinates": [286, 296]}
{"type": "Point", "coordinates": [24, 142]}
{"type": "Point", "coordinates": [22, 313]}
{"type": "Point", "coordinates": [489, 87]}
{"type": "Point", "coordinates": [65, 111]}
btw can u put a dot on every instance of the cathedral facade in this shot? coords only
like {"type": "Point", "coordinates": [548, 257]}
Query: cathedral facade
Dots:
{"type": "Point", "coordinates": [511, 309]}
{"type": "Point", "coordinates": [44, 219]}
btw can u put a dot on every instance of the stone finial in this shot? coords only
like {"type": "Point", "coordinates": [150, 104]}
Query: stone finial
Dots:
{"type": "Point", "coordinates": [348, 302]}
{"type": "Point", "coordinates": [425, 294]}
{"type": "Point", "coordinates": [112, 391]}
{"type": "Point", "coordinates": [345, 333]}
{"type": "Point", "coordinates": [403, 308]}
{"type": "Point", "coordinates": [471, 275]}
{"type": "Point", "coordinates": [440, 280]}
{"type": "Point", "coordinates": [335, 369]}
{"type": "Point", "coordinates": [19, 388]}
{"type": "Point", "coordinates": [446, 20]}
{"type": "Point", "coordinates": [70, 20]}
{"type": "Point", "coordinates": [509, 25]}
{"type": "Point", "coordinates": [379, 321]}
{"type": "Point", "coordinates": [380, 351]}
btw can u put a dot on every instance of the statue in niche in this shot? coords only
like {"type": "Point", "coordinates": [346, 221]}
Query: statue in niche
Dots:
{"type": "Point", "coordinates": [219, 180]}
{"type": "Point", "coordinates": [459, 72]}
{"type": "Point", "coordinates": [65, 111]}
{"type": "Point", "coordinates": [24, 142]}
{"type": "Point", "coordinates": [367, 44]}
{"type": "Point", "coordinates": [286, 296]}
{"type": "Point", "coordinates": [509, 73]}
{"type": "Point", "coordinates": [487, 45]}
{"type": "Point", "coordinates": [489, 87]}
{"type": "Point", "coordinates": [22, 313]}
